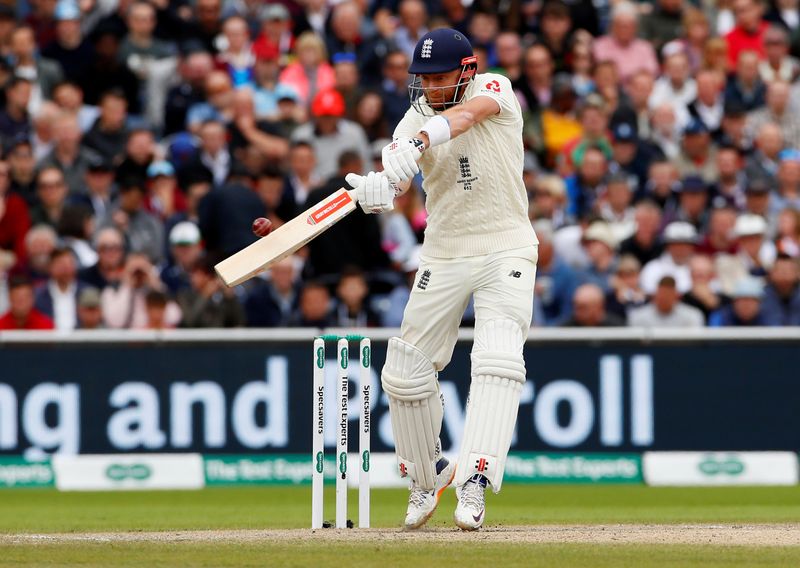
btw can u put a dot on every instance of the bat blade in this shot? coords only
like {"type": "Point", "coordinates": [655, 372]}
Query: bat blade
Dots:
{"type": "Point", "coordinates": [287, 238]}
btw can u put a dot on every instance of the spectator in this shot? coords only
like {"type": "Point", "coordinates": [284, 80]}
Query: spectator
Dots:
{"type": "Point", "coordinates": [556, 281]}
{"type": "Point", "coordinates": [762, 163]}
{"type": "Point", "coordinates": [237, 58]}
{"type": "Point", "coordinates": [676, 86]}
{"type": "Point", "coordinates": [788, 182]}
{"type": "Point", "coordinates": [40, 242]}
{"type": "Point", "coordinates": [508, 48]}
{"type": "Point", "coordinates": [666, 309]}
{"type": "Point", "coordinates": [708, 107]}
{"type": "Point", "coordinates": [75, 228]}
{"type": "Point", "coordinates": [394, 88]}
{"type": "Point", "coordinates": [185, 252]}
{"type": "Point", "coordinates": [70, 49]}
{"type": "Point", "coordinates": [68, 95]}
{"type": "Point", "coordinates": [585, 187]}
{"type": "Point", "coordinates": [245, 130]}
{"type": "Point", "coordinates": [748, 34]}
{"type": "Point", "coordinates": [777, 111]}
{"type": "Point", "coordinates": [330, 135]}
{"type": "Point", "coordinates": [625, 293]}
{"type": "Point", "coordinates": [310, 73]}
{"type": "Point", "coordinates": [278, 30]}
{"type": "Point", "coordinates": [621, 45]}
{"type": "Point", "coordinates": [720, 238]}
{"type": "Point", "coordinates": [58, 298]}
{"type": "Point", "coordinates": [14, 223]}
{"type": "Point", "coordinates": [90, 314]}
{"type": "Point", "coordinates": [781, 302]}
{"type": "Point", "coordinates": [755, 255]}
{"type": "Point", "coordinates": [22, 170]}
{"type": "Point", "coordinates": [698, 156]}
{"type": "Point", "coordinates": [745, 86]}
{"type": "Point", "coordinates": [108, 135]}
{"type": "Point", "coordinates": [600, 244]}
{"type": "Point", "coordinates": [679, 239]}
{"type": "Point", "coordinates": [68, 155]}
{"type": "Point", "coordinates": [593, 116]}
{"type": "Point", "coordinates": [273, 301]}
{"type": "Point", "coordinates": [106, 71]}
{"type": "Point", "coordinates": [757, 199]}
{"type": "Point", "coordinates": [644, 244]}
{"type": "Point", "coordinates": [125, 305]}
{"type": "Point", "coordinates": [355, 240]}
{"type": "Point", "coordinates": [143, 231]}
{"type": "Point", "coordinates": [636, 108]}
{"type": "Point", "coordinates": [301, 178]}
{"type": "Point", "coordinates": [705, 292]}
{"type": "Point", "coordinates": [555, 26]}
{"type": "Point", "coordinates": [352, 301]}
{"type": "Point", "coordinates": [663, 182]}
{"type": "Point", "coordinates": [349, 33]}
{"type": "Point", "coordinates": [193, 68]}
{"type": "Point", "coordinates": [208, 302]}
{"type": "Point", "coordinates": [745, 309]}
{"type": "Point", "coordinates": [217, 107]}
{"type": "Point", "coordinates": [22, 314]}
{"type": "Point", "coordinates": [631, 156]}
{"type": "Point", "coordinates": [589, 310]}
{"type": "Point", "coordinates": [778, 64]}
{"type": "Point", "coordinates": [100, 188]}
{"type": "Point", "coordinates": [43, 72]}
{"type": "Point", "coordinates": [615, 207]}
{"type": "Point", "coordinates": [107, 271]}
{"type": "Point", "coordinates": [214, 157]}
{"type": "Point", "coordinates": [51, 189]}
{"type": "Point", "coordinates": [268, 89]}
{"type": "Point", "coordinates": [164, 197]}
{"type": "Point", "coordinates": [14, 118]}
{"type": "Point", "coordinates": [664, 24]}
{"type": "Point", "coordinates": [315, 306]}
{"type": "Point", "coordinates": [549, 200]}
{"type": "Point", "coordinates": [205, 25]}
{"type": "Point", "coordinates": [533, 88]}
{"type": "Point", "coordinates": [156, 305]}
{"type": "Point", "coordinates": [411, 26]}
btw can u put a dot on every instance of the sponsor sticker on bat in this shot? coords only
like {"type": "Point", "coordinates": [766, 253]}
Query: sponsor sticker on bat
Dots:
{"type": "Point", "coordinates": [329, 208]}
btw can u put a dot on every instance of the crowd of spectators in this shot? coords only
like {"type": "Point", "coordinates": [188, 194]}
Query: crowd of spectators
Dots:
{"type": "Point", "coordinates": [140, 138]}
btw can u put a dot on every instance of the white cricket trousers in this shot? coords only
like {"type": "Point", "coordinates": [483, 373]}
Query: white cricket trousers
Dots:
{"type": "Point", "coordinates": [502, 284]}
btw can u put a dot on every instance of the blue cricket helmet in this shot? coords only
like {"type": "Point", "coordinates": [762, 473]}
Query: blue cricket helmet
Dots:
{"type": "Point", "coordinates": [439, 51]}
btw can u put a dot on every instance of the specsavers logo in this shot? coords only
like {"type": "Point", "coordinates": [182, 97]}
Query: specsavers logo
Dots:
{"type": "Point", "coordinates": [121, 472]}
{"type": "Point", "coordinates": [712, 465]}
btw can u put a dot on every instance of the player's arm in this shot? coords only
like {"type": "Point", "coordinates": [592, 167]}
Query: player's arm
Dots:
{"type": "Point", "coordinates": [401, 156]}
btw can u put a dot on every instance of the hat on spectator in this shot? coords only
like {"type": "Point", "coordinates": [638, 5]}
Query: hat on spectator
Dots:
{"type": "Point", "coordinates": [628, 263]}
{"type": "Point", "coordinates": [748, 225]}
{"type": "Point", "coordinates": [160, 168]}
{"type": "Point", "coordinates": [275, 12]}
{"type": "Point", "coordinates": [748, 287]}
{"type": "Point", "coordinates": [14, 141]}
{"type": "Point", "coordinates": [266, 51]}
{"type": "Point", "coordinates": [100, 164]}
{"type": "Point", "coordinates": [600, 231]}
{"type": "Point", "coordinates": [343, 57]}
{"type": "Point", "coordinates": [758, 186]}
{"type": "Point", "coordinates": [67, 10]}
{"type": "Point", "coordinates": [184, 233]}
{"type": "Point", "coordinates": [671, 48]}
{"type": "Point", "coordinates": [89, 298]}
{"type": "Point", "coordinates": [286, 93]}
{"type": "Point", "coordinates": [562, 84]}
{"type": "Point", "coordinates": [789, 155]}
{"type": "Point", "coordinates": [624, 132]}
{"type": "Point", "coordinates": [328, 103]}
{"type": "Point", "coordinates": [695, 126]}
{"type": "Point", "coordinates": [592, 100]}
{"type": "Point", "coordinates": [692, 184]}
{"type": "Point", "coordinates": [680, 232]}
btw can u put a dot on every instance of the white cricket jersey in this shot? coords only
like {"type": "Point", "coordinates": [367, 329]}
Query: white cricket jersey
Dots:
{"type": "Point", "coordinates": [475, 197]}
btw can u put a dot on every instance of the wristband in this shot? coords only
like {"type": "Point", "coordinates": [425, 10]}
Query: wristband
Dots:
{"type": "Point", "coordinates": [438, 130]}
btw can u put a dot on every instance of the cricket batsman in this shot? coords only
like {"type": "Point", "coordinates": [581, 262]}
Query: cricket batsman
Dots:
{"type": "Point", "coordinates": [464, 133]}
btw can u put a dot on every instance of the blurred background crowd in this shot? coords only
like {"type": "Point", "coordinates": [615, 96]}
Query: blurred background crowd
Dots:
{"type": "Point", "coordinates": [140, 138]}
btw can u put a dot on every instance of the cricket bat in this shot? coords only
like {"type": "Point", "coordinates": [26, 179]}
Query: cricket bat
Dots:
{"type": "Point", "coordinates": [287, 238]}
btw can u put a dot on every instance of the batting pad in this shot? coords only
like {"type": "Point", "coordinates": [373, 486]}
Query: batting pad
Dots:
{"type": "Point", "coordinates": [498, 372]}
{"type": "Point", "coordinates": [409, 380]}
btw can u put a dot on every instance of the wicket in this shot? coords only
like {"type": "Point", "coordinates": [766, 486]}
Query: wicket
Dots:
{"type": "Point", "coordinates": [318, 444]}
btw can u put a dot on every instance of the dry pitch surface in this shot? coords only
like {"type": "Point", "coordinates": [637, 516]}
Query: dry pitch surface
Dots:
{"type": "Point", "coordinates": [705, 534]}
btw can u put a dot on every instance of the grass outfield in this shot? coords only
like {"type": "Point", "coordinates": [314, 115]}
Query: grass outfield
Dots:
{"type": "Point", "coordinates": [218, 509]}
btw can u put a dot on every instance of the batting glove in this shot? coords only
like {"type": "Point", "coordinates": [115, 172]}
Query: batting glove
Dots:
{"type": "Point", "coordinates": [400, 158]}
{"type": "Point", "coordinates": [374, 191]}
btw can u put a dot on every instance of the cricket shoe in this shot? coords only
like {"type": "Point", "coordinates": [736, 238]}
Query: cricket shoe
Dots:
{"type": "Point", "coordinates": [422, 503]}
{"type": "Point", "coordinates": [471, 508]}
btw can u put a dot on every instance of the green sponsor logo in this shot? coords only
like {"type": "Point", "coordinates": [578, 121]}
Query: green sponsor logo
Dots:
{"type": "Point", "coordinates": [343, 358]}
{"type": "Point", "coordinates": [19, 472]}
{"type": "Point", "coordinates": [321, 357]}
{"type": "Point", "coordinates": [366, 356]}
{"type": "Point", "coordinates": [121, 472]}
{"type": "Point", "coordinates": [365, 460]}
{"type": "Point", "coordinates": [525, 467]}
{"type": "Point", "coordinates": [730, 465]}
{"type": "Point", "coordinates": [276, 469]}
{"type": "Point", "coordinates": [343, 463]}
{"type": "Point", "coordinates": [319, 464]}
